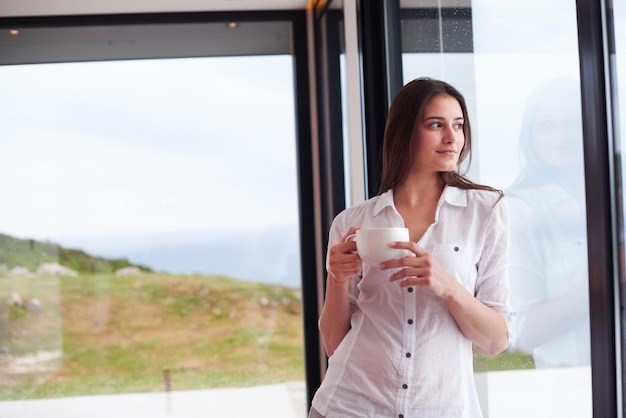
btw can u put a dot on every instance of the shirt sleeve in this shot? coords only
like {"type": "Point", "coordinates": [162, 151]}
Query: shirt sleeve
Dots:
{"type": "Point", "coordinates": [493, 285]}
{"type": "Point", "coordinates": [527, 279]}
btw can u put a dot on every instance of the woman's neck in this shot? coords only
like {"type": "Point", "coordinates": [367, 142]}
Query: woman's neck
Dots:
{"type": "Point", "coordinates": [416, 202]}
{"type": "Point", "coordinates": [417, 192]}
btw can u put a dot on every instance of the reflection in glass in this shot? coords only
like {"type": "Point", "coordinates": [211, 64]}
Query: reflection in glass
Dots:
{"type": "Point", "coordinates": [502, 64]}
{"type": "Point", "coordinates": [548, 231]}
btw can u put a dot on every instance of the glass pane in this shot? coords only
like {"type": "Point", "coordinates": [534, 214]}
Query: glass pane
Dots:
{"type": "Point", "coordinates": [151, 242]}
{"type": "Point", "coordinates": [522, 88]}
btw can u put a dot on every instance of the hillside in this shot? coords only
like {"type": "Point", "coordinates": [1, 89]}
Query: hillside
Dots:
{"type": "Point", "coordinates": [103, 333]}
{"type": "Point", "coordinates": [31, 254]}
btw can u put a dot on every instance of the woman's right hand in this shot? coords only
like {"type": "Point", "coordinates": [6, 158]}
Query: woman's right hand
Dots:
{"type": "Point", "coordinates": [343, 263]}
{"type": "Point", "coordinates": [343, 260]}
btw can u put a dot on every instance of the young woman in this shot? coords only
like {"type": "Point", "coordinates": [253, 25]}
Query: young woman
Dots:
{"type": "Point", "coordinates": [549, 271]}
{"type": "Point", "coordinates": [399, 336]}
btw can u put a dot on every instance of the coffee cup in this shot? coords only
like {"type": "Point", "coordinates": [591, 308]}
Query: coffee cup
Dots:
{"type": "Point", "coordinates": [372, 244]}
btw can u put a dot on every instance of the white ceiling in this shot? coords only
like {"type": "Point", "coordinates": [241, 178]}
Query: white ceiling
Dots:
{"type": "Point", "coordinates": [14, 8]}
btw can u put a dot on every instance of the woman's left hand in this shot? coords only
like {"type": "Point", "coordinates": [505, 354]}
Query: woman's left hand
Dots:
{"type": "Point", "coordinates": [420, 269]}
{"type": "Point", "coordinates": [484, 326]}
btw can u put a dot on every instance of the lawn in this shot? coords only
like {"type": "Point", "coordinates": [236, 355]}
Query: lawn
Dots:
{"type": "Point", "coordinates": [121, 334]}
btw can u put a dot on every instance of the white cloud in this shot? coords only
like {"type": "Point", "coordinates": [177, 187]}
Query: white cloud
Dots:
{"type": "Point", "coordinates": [147, 146]}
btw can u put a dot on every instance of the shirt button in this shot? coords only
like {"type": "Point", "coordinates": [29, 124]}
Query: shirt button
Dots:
{"type": "Point", "coordinates": [410, 321]}
{"type": "Point", "coordinates": [410, 289]}
{"type": "Point", "coordinates": [408, 355]}
{"type": "Point", "coordinates": [405, 386]}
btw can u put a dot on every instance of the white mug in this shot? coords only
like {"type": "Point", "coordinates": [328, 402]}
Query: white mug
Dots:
{"type": "Point", "coordinates": [372, 244]}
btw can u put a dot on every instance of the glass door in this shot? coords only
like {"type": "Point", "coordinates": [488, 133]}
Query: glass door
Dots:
{"type": "Point", "coordinates": [523, 90]}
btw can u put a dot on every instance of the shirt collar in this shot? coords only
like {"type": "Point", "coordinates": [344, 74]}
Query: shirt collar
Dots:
{"type": "Point", "coordinates": [384, 200]}
{"type": "Point", "coordinates": [452, 195]}
{"type": "Point", "coordinates": [455, 196]}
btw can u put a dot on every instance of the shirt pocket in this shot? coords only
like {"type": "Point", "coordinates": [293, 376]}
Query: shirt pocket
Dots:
{"type": "Point", "coordinates": [458, 260]}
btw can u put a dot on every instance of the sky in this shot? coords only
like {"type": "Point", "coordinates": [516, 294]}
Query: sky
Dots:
{"type": "Point", "coordinates": [142, 146]}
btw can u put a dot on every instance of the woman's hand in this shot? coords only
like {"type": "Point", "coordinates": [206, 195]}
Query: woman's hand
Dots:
{"type": "Point", "coordinates": [420, 269]}
{"type": "Point", "coordinates": [343, 263]}
{"type": "Point", "coordinates": [484, 326]}
{"type": "Point", "coordinates": [343, 260]}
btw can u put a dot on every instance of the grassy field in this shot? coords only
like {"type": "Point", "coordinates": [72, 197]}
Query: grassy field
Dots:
{"type": "Point", "coordinates": [103, 334]}
{"type": "Point", "coordinates": [120, 334]}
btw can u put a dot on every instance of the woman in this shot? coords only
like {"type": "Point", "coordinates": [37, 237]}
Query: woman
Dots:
{"type": "Point", "coordinates": [399, 335]}
{"type": "Point", "coordinates": [549, 272]}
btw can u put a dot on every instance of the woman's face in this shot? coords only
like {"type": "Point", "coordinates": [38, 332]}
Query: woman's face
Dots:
{"type": "Point", "coordinates": [440, 135]}
{"type": "Point", "coordinates": [557, 132]}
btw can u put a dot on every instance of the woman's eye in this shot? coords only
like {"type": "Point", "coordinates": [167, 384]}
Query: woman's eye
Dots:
{"type": "Point", "coordinates": [458, 125]}
{"type": "Point", "coordinates": [545, 124]}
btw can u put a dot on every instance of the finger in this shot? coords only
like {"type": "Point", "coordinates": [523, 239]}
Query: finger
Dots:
{"type": "Point", "coordinates": [408, 279]}
{"type": "Point", "coordinates": [346, 247]}
{"type": "Point", "coordinates": [407, 261]}
{"type": "Point", "coordinates": [412, 281]}
{"type": "Point", "coordinates": [406, 273]}
{"type": "Point", "coordinates": [345, 261]}
{"type": "Point", "coordinates": [345, 268]}
{"type": "Point", "coordinates": [345, 258]}
{"type": "Point", "coordinates": [351, 231]}
{"type": "Point", "coordinates": [409, 245]}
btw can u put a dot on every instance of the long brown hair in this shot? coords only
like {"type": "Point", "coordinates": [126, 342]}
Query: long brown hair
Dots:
{"type": "Point", "coordinates": [405, 116]}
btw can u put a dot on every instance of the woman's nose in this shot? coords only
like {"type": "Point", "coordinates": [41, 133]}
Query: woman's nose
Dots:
{"type": "Point", "coordinates": [450, 134]}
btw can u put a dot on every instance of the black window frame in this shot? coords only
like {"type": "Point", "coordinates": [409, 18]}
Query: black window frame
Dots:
{"type": "Point", "coordinates": [595, 43]}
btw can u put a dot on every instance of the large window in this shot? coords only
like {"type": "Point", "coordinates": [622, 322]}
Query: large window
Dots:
{"type": "Point", "coordinates": [149, 241]}
{"type": "Point", "coordinates": [523, 91]}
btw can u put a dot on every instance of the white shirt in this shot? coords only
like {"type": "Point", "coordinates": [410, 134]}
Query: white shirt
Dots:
{"type": "Point", "coordinates": [404, 355]}
{"type": "Point", "coordinates": [549, 262]}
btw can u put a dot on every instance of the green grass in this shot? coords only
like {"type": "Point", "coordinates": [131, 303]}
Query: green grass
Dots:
{"type": "Point", "coordinates": [31, 254]}
{"type": "Point", "coordinates": [507, 360]}
{"type": "Point", "coordinates": [120, 334]}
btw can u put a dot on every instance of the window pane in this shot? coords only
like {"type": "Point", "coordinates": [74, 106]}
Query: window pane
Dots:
{"type": "Point", "coordinates": [151, 244]}
{"type": "Point", "coordinates": [522, 88]}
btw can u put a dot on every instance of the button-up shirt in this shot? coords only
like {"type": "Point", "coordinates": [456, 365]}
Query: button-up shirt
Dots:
{"type": "Point", "coordinates": [549, 262]}
{"type": "Point", "coordinates": [404, 355]}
